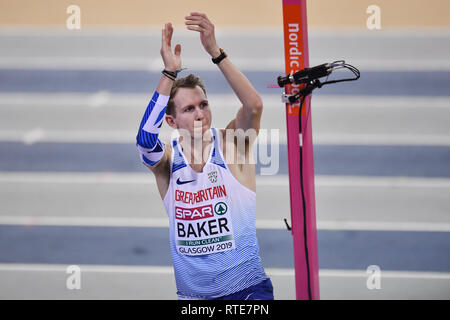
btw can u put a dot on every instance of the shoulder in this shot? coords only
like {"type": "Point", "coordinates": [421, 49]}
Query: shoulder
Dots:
{"type": "Point", "coordinates": [238, 158]}
{"type": "Point", "coordinates": [242, 141]}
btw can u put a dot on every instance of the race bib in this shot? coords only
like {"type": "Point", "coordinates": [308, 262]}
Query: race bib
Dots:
{"type": "Point", "coordinates": [204, 229]}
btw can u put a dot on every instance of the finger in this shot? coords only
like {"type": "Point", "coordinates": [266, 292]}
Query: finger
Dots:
{"type": "Point", "coordinates": [163, 38]}
{"type": "Point", "coordinates": [165, 32]}
{"type": "Point", "coordinates": [198, 14]}
{"type": "Point", "coordinates": [202, 24]}
{"type": "Point", "coordinates": [197, 18]}
{"type": "Point", "coordinates": [206, 24]}
{"type": "Point", "coordinates": [178, 49]}
{"type": "Point", "coordinates": [170, 30]}
{"type": "Point", "coordinates": [194, 18]}
{"type": "Point", "coordinates": [196, 28]}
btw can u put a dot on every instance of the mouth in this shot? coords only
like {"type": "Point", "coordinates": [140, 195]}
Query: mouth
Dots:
{"type": "Point", "coordinates": [201, 131]}
{"type": "Point", "coordinates": [197, 126]}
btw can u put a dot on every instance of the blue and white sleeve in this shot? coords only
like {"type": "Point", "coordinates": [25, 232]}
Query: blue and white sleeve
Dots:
{"type": "Point", "coordinates": [151, 149]}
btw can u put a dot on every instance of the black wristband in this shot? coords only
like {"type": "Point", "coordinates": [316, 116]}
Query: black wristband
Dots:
{"type": "Point", "coordinates": [170, 74]}
{"type": "Point", "coordinates": [222, 56]}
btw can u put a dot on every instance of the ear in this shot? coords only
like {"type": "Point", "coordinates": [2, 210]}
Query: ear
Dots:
{"type": "Point", "coordinates": [171, 121]}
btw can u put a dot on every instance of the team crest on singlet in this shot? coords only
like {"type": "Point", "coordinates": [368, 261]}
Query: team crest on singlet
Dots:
{"type": "Point", "coordinates": [212, 176]}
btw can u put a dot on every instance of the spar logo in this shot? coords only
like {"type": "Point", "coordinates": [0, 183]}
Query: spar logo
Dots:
{"type": "Point", "coordinates": [202, 212]}
{"type": "Point", "coordinates": [220, 208]}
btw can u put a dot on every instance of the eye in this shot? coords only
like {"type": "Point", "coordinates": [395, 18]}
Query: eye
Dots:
{"type": "Point", "coordinates": [188, 109]}
{"type": "Point", "coordinates": [204, 104]}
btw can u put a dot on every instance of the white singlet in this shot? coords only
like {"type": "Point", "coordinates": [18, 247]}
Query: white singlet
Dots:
{"type": "Point", "coordinates": [212, 227]}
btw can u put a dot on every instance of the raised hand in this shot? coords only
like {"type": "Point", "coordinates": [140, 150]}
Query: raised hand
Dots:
{"type": "Point", "coordinates": [199, 22]}
{"type": "Point", "coordinates": [172, 60]}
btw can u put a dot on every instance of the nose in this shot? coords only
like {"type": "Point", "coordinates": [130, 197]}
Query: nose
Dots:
{"type": "Point", "coordinates": [199, 116]}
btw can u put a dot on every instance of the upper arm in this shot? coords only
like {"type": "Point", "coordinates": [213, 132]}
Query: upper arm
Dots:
{"type": "Point", "coordinates": [244, 130]}
{"type": "Point", "coordinates": [163, 163]}
{"type": "Point", "coordinates": [161, 170]}
{"type": "Point", "coordinates": [249, 121]}
{"type": "Point", "coordinates": [247, 118]}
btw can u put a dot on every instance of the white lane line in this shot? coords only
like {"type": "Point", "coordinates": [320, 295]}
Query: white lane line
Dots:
{"type": "Point", "coordinates": [271, 224]}
{"type": "Point", "coordinates": [23, 267]}
{"type": "Point", "coordinates": [99, 99]}
{"type": "Point", "coordinates": [263, 181]}
{"type": "Point", "coordinates": [109, 136]}
{"type": "Point", "coordinates": [380, 182]}
{"type": "Point", "coordinates": [226, 30]}
{"type": "Point", "coordinates": [84, 221]}
{"type": "Point", "coordinates": [70, 136]}
{"type": "Point", "coordinates": [272, 101]}
{"type": "Point", "coordinates": [379, 139]}
{"type": "Point", "coordinates": [385, 274]}
{"type": "Point", "coordinates": [87, 136]}
{"type": "Point", "coordinates": [33, 136]}
{"type": "Point", "coordinates": [77, 177]}
{"type": "Point", "coordinates": [57, 100]}
{"type": "Point", "coordinates": [145, 64]}
{"type": "Point", "coordinates": [384, 226]}
{"type": "Point", "coordinates": [274, 64]}
{"type": "Point", "coordinates": [336, 273]}
{"type": "Point", "coordinates": [168, 270]}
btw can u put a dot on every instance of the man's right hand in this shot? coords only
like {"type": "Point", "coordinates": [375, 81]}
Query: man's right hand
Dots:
{"type": "Point", "coordinates": [172, 60]}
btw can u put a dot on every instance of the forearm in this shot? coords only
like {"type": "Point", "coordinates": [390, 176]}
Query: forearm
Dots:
{"type": "Point", "coordinates": [150, 147]}
{"type": "Point", "coordinates": [165, 85]}
{"type": "Point", "coordinates": [241, 86]}
{"type": "Point", "coordinates": [244, 90]}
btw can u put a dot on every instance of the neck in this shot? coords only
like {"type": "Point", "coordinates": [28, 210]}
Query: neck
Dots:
{"type": "Point", "coordinates": [197, 150]}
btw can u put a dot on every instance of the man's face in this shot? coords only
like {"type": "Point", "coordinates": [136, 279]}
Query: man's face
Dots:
{"type": "Point", "coordinates": [191, 105]}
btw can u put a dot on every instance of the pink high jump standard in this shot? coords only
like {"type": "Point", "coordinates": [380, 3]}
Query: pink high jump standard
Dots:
{"type": "Point", "coordinates": [302, 202]}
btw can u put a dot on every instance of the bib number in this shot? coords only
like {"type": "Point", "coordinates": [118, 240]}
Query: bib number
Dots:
{"type": "Point", "coordinates": [203, 230]}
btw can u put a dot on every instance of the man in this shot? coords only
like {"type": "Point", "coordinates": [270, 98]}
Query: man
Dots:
{"type": "Point", "coordinates": [209, 195]}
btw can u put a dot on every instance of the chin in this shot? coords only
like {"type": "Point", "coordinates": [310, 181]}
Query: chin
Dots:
{"type": "Point", "coordinates": [205, 128]}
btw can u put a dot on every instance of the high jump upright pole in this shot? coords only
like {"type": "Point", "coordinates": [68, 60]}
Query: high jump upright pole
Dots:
{"type": "Point", "coordinates": [300, 156]}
